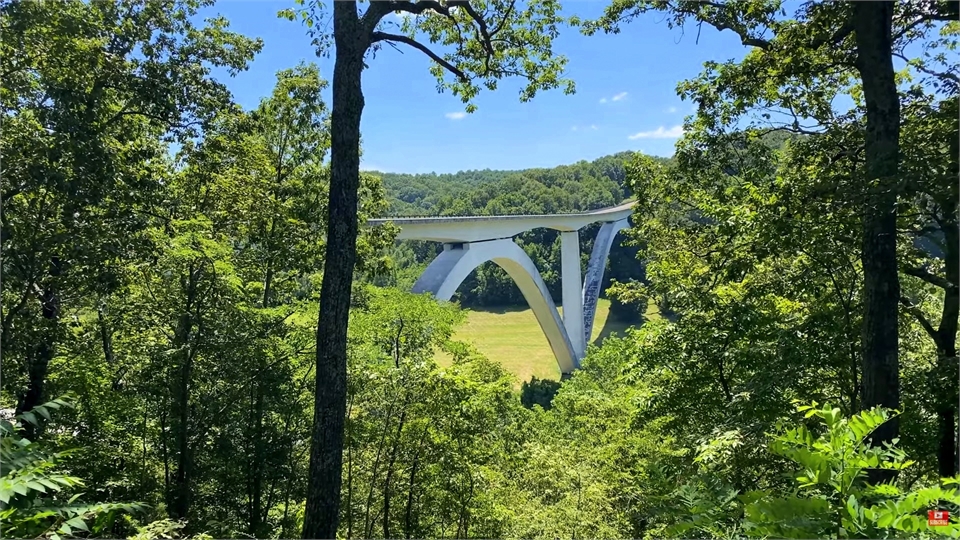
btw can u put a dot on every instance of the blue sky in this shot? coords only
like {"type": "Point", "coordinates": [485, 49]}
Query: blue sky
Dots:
{"type": "Point", "coordinates": [626, 95]}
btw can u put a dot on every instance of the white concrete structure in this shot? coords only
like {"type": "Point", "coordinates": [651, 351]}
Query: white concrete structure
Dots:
{"type": "Point", "coordinates": [571, 288]}
{"type": "Point", "coordinates": [471, 241]}
{"type": "Point", "coordinates": [593, 279]}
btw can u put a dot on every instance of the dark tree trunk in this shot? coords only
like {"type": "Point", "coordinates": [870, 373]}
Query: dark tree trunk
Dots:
{"type": "Point", "coordinates": [183, 343]}
{"type": "Point", "coordinates": [164, 449]}
{"type": "Point", "coordinates": [44, 351]}
{"type": "Point", "coordinates": [946, 451]}
{"type": "Point", "coordinates": [180, 495]}
{"type": "Point", "coordinates": [322, 513]}
{"type": "Point", "coordinates": [947, 335]}
{"type": "Point", "coordinates": [411, 487]}
{"type": "Point", "coordinates": [256, 467]}
{"type": "Point", "coordinates": [349, 443]}
{"type": "Point", "coordinates": [389, 477]}
{"type": "Point", "coordinates": [257, 461]}
{"type": "Point", "coordinates": [881, 365]}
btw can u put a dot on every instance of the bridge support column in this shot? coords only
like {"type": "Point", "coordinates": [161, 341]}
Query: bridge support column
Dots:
{"type": "Point", "coordinates": [572, 293]}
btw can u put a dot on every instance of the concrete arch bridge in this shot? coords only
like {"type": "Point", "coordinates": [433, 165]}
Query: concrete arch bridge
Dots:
{"type": "Point", "coordinates": [471, 241]}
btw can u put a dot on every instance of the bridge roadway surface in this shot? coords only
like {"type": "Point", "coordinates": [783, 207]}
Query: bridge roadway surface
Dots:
{"type": "Point", "coordinates": [465, 229]}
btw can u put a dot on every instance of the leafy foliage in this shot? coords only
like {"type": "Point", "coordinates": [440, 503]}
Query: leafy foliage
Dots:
{"type": "Point", "coordinates": [832, 498]}
{"type": "Point", "coordinates": [39, 500]}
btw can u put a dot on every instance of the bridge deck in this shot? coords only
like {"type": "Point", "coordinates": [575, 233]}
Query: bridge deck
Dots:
{"type": "Point", "coordinates": [459, 229]}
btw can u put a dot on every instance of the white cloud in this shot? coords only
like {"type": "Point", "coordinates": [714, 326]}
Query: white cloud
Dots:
{"type": "Point", "coordinates": [617, 97]}
{"type": "Point", "coordinates": [574, 128]}
{"type": "Point", "coordinates": [672, 110]}
{"type": "Point", "coordinates": [593, 126]}
{"type": "Point", "coordinates": [456, 115]}
{"type": "Point", "coordinates": [660, 133]}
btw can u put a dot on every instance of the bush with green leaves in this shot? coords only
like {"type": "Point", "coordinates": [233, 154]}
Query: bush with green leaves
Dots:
{"type": "Point", "coordinates": [165, 529]}
{"type": "Point", "coordinates": [36, 499]}
{"type": "Point", "coordinates": [832, 497]}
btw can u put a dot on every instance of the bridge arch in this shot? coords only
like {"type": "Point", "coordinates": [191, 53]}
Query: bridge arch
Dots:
{"type": "Point", "coordinates": [596, 267]}
{"type": "Point", "coordinates": [470, 241]}
{"type": "Point", "coordinates": [445, 274]}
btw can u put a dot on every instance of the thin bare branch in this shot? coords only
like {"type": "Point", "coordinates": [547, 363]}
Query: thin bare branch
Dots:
{"type": "Point", "coordinates": [384, 36]}
{"type": "Point", "coordinates": [484, 38]}
{"type": "Point", "coordinates": [945, 75]}
{"type": "Point", "coordinates": [930, 278]}
{"type": "Point", "coordinates": [914, 310]}
{"type": "Point", "coordinates": [930, 17]}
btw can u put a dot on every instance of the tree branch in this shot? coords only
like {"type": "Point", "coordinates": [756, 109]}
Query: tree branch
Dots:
{"type": "Point", "coordinates": [506, 17]}
{"type": "Point", "coordinates": [415, 8]}
{"type": "Point", "coordinates": [383, 36]}
{"type": "Point", "coordinates": [946, 76]}
{"type": "Point", "coordinates": [721, 26]}
{"type": "Point", "coordinates": [836, 37]}
{"type": "Point", "coordinates": [921, 318]}
{"type": "Point", "coordinates": [745, 39]}
{"type": "Point", "coordinates": [937, 16]}
{"type": "Point", "coordinates": [486, 39]}
{"type": "Point", "coordinates": [379, 8]}
{"type": "Point", "coordinates": [930, 278]}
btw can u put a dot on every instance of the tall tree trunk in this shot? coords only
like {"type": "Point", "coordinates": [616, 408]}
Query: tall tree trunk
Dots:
{"type": "Point", "coordinates": [106, 337]}
{"type": "Point", "coordinates": [881, 365]}
{"type": "Point", "coordinates": [322, 513]}
{"type": "Point", "coordinates": [179, 492]}
{"type": "Point", "coordinates": [349, 438]}
{"type": "Point", "coordinates": [256, 465]}
{"type": "Point", "coordinates": [256, 468]}
{"type": "Point", "coordinates": [44, 351]}
{"type": "Point", "coordinates": [180, 495]}
{"type": "Point", "coordinates": [947, 338]}
{"type": "Point", "coordinates": [411, 487]}
{"type": "Point", "coordinates": [389, 477]}
{"type": "Point", "coordinates": [367, 522]}
{"type": "Point", "coordinates": [946, 418]}
{"type": "Point", "coordinates": [164, 449]}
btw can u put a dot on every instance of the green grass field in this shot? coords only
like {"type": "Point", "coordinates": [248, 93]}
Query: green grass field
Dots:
{"type": "Point", "coordinates": [512, 337]}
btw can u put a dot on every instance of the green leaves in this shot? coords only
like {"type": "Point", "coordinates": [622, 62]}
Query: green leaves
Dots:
{"type": "Point", "coordinates": [421, 438]}
{"type": "Point", "coordinates": [832, 498]}
{"type": "Point", "coordinates": [475, 44]}
{"type": "Point", "coordinates": [94, 91]}
{"type": "Point", "coordinates": [31, 488]}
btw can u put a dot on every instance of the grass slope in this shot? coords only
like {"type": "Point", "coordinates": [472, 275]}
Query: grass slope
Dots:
{"type": "Point", "coordinates": [512, 337]}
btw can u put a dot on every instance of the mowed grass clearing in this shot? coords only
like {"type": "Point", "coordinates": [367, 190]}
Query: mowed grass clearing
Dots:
{"type": "Point", "coordinates": [513, 337]}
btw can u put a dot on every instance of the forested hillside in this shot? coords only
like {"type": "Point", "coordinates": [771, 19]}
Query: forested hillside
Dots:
{"type": "Point", "coordinates": [567, 188]}
{"type": "Point", "coordinates": [201, 338]}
